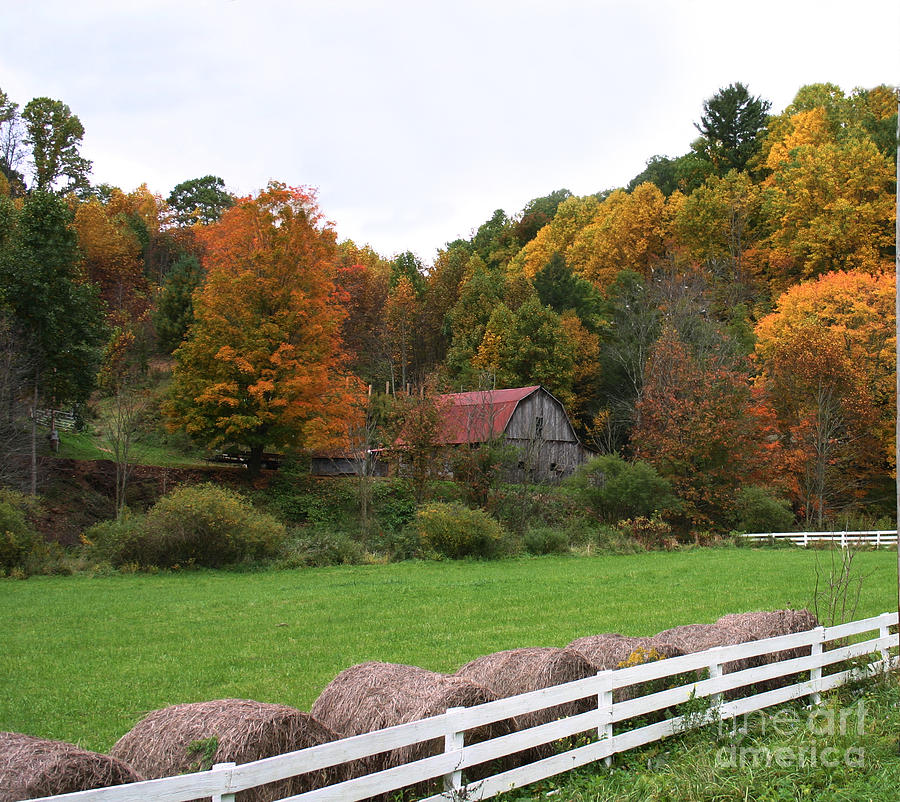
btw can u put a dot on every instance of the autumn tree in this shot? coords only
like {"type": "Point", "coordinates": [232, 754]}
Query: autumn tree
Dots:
{"type": "Point", "coordinates": [262, 364]}
{"type": "Point", "coordinates": [826, 360]}
{"type": "Point", "coordinates": [416, 426]}
{"type": "Point", "coordinates": [702, 429]}
{"type": "Point", "coordinates": [826, 415]}
{"type": "Point", "coordinates": [362, 281]}
{"type": "Point", "coordinates": [629, 231]}
{"type": "Point", "coordinates": [112, 259]}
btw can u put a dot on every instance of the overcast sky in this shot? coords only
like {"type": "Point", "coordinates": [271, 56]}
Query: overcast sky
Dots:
{"type": "Point", "coordinates": [416, 120]}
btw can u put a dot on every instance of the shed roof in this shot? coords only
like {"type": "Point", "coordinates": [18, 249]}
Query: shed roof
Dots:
{"type": "Point", "coordinates": [478, 416]}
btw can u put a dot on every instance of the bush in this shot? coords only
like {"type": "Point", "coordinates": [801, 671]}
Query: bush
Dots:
{"type": "Point", "coordinates": [394, 503]}
{"type": "Point", "coordinates": [651, 533]}
{"type": "Point", "coordinates": [612, 540]}
{"type": "Point", "coordinates": [454, 530]}
{"type": "Point", "coordinates": [317, 547]}
{"type": "Point", "coordinates": [17, 536]}
{"type": "Point", "coordinates": [759, 509]}
{"type": "Point", "coordinates": [202, 525]}
{"type": "Point", "coordinates": [615, 489]}
{"type": "Point", "coordinates": [546, 540]}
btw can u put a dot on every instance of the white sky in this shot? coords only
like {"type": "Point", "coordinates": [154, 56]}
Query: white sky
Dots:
{"type": "Point", "coordinates": [417, 119]}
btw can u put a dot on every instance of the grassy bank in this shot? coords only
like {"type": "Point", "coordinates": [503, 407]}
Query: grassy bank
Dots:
{"type": "Point", "coordinates": [82, 658]}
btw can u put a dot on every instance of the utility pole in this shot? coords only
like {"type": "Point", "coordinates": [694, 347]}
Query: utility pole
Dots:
{"type": "Point", "coordinates": [897, 342]}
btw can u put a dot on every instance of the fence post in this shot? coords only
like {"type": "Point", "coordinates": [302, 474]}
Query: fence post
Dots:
{"type": "Point", "coordinates": [878, 539]}
{"type": "Point", "coordinates": [715, 671]}
{"type": "Point", "coordinates": [844, 539]}
{"type": "Point", "coordinates": [605, 709]}
{"type": "Point", "coordinates": [884, 631]}
{"type": "Point", "coordinates": [815, 673]}
{"type": "Point", "coordinates": [226, 769]}
{"type": "Point", "coordinates": [454, 740]}
{"type": "Point", "coordinates": [805, 539]}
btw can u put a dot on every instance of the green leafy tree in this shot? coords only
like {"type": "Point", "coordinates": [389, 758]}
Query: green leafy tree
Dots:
{"type": "Point", "coordinates": [54, 135]}
{"type": "Point", "coordinates": [730, 128]}
{"type": "Point", "coordinates": [12, 150]}
{"type": "Point", "coordinates": [200, 200]}
{"type": "Point", "coordinates": [47, 298]}
{"type": "Point", "coordinates": [175, 306]}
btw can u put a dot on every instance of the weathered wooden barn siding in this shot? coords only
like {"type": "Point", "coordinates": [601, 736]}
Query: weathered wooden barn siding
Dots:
{"type": "Point", "coordinates": [549, 448]}
{"type": "Point", "coordinates": [540, 404]}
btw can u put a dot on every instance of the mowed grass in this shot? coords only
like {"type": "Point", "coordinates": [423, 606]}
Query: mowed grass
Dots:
{"type": "Point", "coordinates": [83, 658]}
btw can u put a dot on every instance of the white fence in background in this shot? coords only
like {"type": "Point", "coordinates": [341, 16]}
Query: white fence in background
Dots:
{"type": "Point", "coordinates": [825, 649]}
{"type": "Point", "coordinates": [876, 537]}
{"type": "Point", "coordinates": [63, 420]}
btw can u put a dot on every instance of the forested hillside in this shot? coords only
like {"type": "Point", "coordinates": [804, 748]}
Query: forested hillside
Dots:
{"type": "Point", "coordinates": [728, 317]}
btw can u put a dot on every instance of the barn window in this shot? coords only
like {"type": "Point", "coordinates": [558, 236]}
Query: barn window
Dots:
{"type": "Point", "coordinates": [538, 426]}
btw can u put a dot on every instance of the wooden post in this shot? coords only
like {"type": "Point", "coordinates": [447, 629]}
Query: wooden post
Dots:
{"type": "Point", "coordinates": [454, 741]}
{"type": "Point", "coordinates": [805, 539]}
{"type": "Point", "coordinates": [815, 674]}
{"type": "Point", "coordinates": [884, 631]}
{"type": "Point", "coordinates": [605, 709]}
{"type": "Point", "coordinates": [715, 671]}
{"type": "Point", "coordinates": [225, 796]}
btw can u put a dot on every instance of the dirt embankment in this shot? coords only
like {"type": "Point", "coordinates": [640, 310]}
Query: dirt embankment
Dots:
{"type": "Point", "coordinates": [79, 493]}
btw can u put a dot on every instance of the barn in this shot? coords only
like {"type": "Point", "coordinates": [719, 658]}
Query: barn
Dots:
{"type": "Point", "coordinates": [528, 418]}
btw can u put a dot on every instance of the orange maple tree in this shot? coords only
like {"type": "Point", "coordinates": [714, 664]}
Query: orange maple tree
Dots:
{"type": "Point", "coordinates": [703, 429]}
{"type": "Point", "coordinates": [263, 364]}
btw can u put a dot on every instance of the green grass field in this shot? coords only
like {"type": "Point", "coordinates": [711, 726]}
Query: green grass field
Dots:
{"type": "Point", "coordinates": [82, 658]}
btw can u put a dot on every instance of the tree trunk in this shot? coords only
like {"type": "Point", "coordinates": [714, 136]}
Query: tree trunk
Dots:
{"type": "Point", "coordinates": [34, 402]}
{"type": "Point", "coordinates": [254, 464]}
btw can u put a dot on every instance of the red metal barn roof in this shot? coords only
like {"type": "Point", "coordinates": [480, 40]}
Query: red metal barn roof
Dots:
{"type": "Point", "coordinates": [478, 416]}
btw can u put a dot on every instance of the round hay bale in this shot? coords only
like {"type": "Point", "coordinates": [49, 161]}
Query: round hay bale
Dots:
{"type": "Point", "coordinates": [770, 624]}
{"type": "Point", "coordinates": [611, 650]}
{"type": "Point", "coordinates": [516, 671]}
{"type": "Point", "coordinates": [371, 696]}
{"type": "Point", "coordinates": [692, 638]}
{"type": "Point", "coordinates": [33, 767]}
{"type": "Point", "coordinates": [193, 737]}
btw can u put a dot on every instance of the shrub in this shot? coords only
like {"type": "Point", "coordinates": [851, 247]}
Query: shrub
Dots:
{"type": "Point", "coordinates": [202, 525]}
{"type": "Point", "coordinates": [546, 540]}
{"type": "Point", "coordinates": [454, 530]}
{"type": "Point", "coordinates": [651, 533]}
{"type": "Point", "coordinates": [394, 503]}
{"type": "Point", "coordinates": [317, 547]}
{"type": "Point", "coordinates": [17, 537]}
{"type": "Point", "coordinates": [615, 489]}
{"type": "Point", "coordinates": [759, 509]}
{"type": "Point", "coordinates": [613, 540]}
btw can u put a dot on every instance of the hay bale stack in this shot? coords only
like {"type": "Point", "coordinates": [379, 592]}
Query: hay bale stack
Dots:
{"type": "Point", "coordinates": [193, 737]}
{"type": "Point", "coordinates": [33, 767]}
{"type": "Point", "coordinates": [371, 696]}
{"type": "Point", "coordinates": [516, 671]}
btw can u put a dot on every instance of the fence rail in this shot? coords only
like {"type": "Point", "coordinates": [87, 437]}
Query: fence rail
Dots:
{"type": "Point", "coordinates": [703, 675]}
{"type": "Point", "coordinates": [873, 537]}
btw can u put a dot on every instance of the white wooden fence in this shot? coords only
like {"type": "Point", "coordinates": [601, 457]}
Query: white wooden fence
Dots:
{"type": "Point", "coordinates": [875, 537]}
{"type": "Point", "coordinates": [611, 720]}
